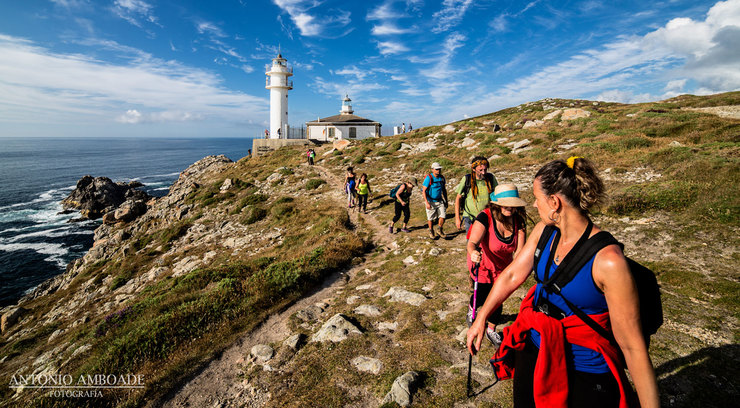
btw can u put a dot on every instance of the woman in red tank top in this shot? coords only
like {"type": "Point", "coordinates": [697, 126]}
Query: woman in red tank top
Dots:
{"type": "Point", "coordinates": [497, 235]}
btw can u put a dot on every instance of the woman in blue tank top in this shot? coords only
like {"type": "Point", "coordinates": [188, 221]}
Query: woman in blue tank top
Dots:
{"type": "Point", "coordinates": [564, 192]}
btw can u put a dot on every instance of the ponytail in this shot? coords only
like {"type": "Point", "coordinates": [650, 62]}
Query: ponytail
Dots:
{"type": "Point", "coordinates": [575, 179]}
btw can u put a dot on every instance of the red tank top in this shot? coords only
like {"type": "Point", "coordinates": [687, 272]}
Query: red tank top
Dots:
{"type": "Point", "coordinates": [495, 255]}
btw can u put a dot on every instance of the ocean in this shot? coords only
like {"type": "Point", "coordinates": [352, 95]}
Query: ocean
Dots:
{"type": "Point", "coordinates": [36, 241]}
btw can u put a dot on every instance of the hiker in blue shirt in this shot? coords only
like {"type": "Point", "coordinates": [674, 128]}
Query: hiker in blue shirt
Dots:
{"type": "Point", "coordinates": [434, 189]}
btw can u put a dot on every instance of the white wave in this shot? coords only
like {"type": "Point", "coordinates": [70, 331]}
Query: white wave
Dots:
{"type": "Point", "coordinates": [52, 233]}
{"type": "Point", "coordinates": [55, 251]}
{"type": "Point", "coordinates": [161, 189]}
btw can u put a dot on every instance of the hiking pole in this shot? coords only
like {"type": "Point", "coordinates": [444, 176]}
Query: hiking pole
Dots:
{"type": "Point", "coordinates": [475, 304]}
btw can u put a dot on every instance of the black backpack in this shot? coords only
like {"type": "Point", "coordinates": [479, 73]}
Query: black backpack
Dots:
{"type": "Point", "coordinates": [648, 290]}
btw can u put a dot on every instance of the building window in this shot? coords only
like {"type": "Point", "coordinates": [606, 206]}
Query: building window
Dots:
{"type": "Point", "coordinates": [331, 133]}
{"type": "Point", "coordinates": [353, 133]}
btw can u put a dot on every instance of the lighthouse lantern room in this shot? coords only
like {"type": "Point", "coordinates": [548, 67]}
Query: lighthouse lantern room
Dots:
{"type": "Point", "coordinates": [278, 83]}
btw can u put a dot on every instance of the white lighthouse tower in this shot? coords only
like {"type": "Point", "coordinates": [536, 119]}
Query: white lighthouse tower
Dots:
{"type": "Point", "coordinates": [278, 83]}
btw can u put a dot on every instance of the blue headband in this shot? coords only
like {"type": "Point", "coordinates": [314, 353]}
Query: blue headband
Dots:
{"type": "Point", "coordinates": [504, 194]}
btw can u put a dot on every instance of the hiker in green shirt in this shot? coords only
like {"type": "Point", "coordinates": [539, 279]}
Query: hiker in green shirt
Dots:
{"type": "Point", "coordinates": [472, 198]}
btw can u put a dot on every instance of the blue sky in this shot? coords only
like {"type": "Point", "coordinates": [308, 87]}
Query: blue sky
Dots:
{"type": "Point", "coordinates": [150, 68]}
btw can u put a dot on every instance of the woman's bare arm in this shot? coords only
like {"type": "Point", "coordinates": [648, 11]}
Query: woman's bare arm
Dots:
{"type": "Point", "coordinates": [611, 274]}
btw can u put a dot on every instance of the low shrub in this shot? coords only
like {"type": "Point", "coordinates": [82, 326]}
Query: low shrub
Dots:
{"type": "Point", "coordinates": [314, 183]}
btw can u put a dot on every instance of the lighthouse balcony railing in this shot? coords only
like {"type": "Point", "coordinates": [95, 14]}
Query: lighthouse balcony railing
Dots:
{"type": "Point", "coordinates": [278, 68]}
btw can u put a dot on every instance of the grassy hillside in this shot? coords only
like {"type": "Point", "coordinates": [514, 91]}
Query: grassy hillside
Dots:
{"type": "Point", "coordinates": [673, 177]}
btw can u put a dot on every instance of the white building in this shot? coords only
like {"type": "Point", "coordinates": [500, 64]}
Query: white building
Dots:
{"type": "Point", "coordinates": [346, 125]}
{"type": "Point", "coordinates": [278, 83]}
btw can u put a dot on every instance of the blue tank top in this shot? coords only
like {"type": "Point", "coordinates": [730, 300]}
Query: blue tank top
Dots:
{"type": "Point", "coordinates": [582, 292]}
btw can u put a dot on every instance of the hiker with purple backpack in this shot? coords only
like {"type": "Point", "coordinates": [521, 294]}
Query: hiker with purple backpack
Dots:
{"type": "Point", "coordinates": [557, 358]}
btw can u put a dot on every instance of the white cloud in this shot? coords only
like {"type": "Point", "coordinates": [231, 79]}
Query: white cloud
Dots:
{"type": "Point", "coordinates": [63, 88]}
{"type": "Point", "coordinates": [451, 14]}
{"type": "Point", "coordinates": [134, 10]}
{"type": "Point", "coordinates": [356, 89]}
{"type": "Point", "coordinates": [500, 23]}
{"type": "Point", "coordinates": [391, 47]}
{"type": "Point", "coordinates": [675, 85]}
{"type": "Point", "coordinates": [310, 23]}
{"type": "Point", "coordinates": [683, 51]}
{"type": "Point", "coordinates": [389, 29]}
{"type": "Point", "coordinates": [71, 3]}
{"type": "Point", "coordinates": [616, 95]}
{"type": "Point", "coordinates": [133, 116]}
{"type": "Point", "coordinates": [206, 27]}
{"type": "Point", "coordinates": [382, 12]}
{"type": "Point", "coordinates": [353, 71]}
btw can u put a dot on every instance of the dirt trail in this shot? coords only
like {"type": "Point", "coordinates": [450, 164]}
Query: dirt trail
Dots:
{"type": "Point", "coordinates": [219, 384]}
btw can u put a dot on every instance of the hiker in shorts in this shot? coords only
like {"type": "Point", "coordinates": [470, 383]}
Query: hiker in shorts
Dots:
{"type": "Point", "coordinates": [496, 237]}
{"type": "Point", "coordinates": [363, 193]}
{"type": "Point", "coordinates": [472, 197]}
{"type": "Point", "coordinates": [350, 184]}
{"type": "Point", "coordinates": [434, 190]}
{"type": "Point", "coordinates": [555, 357]}
{"type": "Point", "coordinates": [402, 198]}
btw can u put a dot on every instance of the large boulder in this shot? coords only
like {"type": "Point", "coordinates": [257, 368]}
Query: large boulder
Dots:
{"type": "Point", "coordinates": [336, 329]}
{"type": "Point", "coordinates": [96, 196]}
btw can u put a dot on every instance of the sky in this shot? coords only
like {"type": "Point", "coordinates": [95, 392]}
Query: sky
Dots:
{"type": "Point", "coordinates": [187, 68]}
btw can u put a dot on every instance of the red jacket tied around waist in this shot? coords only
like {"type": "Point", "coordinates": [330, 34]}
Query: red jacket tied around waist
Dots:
{"type": "Point", "coordinates": [551, 373]}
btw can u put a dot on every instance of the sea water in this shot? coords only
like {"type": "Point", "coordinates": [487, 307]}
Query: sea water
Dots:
{"type": "Point", "coordinates": [36, 240]}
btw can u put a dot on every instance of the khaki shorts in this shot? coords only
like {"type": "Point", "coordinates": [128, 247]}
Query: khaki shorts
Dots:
{"type": "Point", "coordinates": [436, 211]}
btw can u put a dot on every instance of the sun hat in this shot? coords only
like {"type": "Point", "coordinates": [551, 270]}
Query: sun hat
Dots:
{"type": "Point", "coordinates": [436, 165]}
{"type": "Point", "coordinates": [413, 181]}
{"type": "Point", "coordinates": [507, 195]}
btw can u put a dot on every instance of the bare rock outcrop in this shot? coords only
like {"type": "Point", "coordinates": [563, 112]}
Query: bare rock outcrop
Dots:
{"type": "Point", "coordinates": [96, 196]}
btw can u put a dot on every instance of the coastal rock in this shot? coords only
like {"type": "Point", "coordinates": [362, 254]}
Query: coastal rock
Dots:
{"type": "Point", "coordinates": [448, 129]}
{"type": "Point", "coordinates": [10, 318]}
{"type": "Point", "coordinates": [533, 124]}
{"type": "Point", "coordinates": [96, 196]}
{"type": "Point", "coordinates": [552, 115]}
{"type": "Point", "coordinates": [261, 353]}
{"type": "Point", "coordinates": [402, 295]}
{"type": "Point", "coordinates": [402, 389]}
{"type": "Point", "coordinates": [295, 341]}
{"type": "Point", "coordinates": [571, 114]}
{"type": "Point", "coordinates": [367, 364]}
{"type": "Point", "coordinates": [368, 310]}
{"type": "Point", "coordinates": [336, 329]}
{"type": "Point", "coordinates": [341, 144]}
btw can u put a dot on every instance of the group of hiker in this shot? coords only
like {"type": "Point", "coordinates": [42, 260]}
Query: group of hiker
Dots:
{"type": "Point", "coordinates": [569, 344]}
{"type": "Point", "coordinates": [358, 190]}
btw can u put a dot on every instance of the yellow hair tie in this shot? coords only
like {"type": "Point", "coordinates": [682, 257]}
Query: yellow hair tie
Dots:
{"type": "Point", "coordinates": [572, 160]}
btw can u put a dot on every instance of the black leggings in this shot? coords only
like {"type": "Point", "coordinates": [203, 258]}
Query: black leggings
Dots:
{"type": "Point", "coordinates": [406, 212]}
{"type": "Point", "coordinates": [483, 290]}
{"type": "Point", "coordinates": [585, 390]}
{"type": "Point", "coordinates": [362, 204]}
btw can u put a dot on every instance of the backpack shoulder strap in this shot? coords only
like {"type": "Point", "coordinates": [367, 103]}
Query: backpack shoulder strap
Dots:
{"type": "Point", "coordinates": [572, 264]}
{"type": "Point", "coordinates": [544, 238]}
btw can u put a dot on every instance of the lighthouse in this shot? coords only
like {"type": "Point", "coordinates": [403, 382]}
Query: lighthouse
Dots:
{"type": "Point", "coordinates": [278, 83]}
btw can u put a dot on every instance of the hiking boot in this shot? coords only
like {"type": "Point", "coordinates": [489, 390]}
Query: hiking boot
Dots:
{"type": "Point", "coordinates": [405, 230]}
{"type": "Point", "coordinates": [442, 234]}
{"type": "Point", "coordinates": [494, 337]}
{"type": "Point", "coordinates": [432, 235]}
{"type": "Point", "coordinates": [390, 229]}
